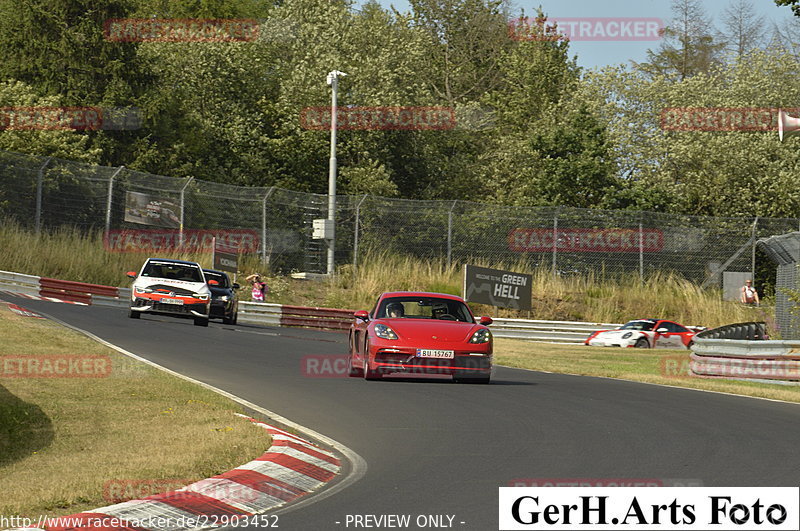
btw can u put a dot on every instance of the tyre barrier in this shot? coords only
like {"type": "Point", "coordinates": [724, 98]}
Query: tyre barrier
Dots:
{"type": "Point", "coordinates": [741, 351]}
{"type": "Point", "coordinates": [746, 331]}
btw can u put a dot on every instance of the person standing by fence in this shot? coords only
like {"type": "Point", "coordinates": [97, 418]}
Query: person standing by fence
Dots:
{"type": "Point", "coordinates": [260, 289]}
{"type": "Point", "coordinates": [749, 294]}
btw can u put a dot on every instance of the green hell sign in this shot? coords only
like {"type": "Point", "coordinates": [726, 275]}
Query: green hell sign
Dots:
{"type": "Point", "coordinates": [495, 287]}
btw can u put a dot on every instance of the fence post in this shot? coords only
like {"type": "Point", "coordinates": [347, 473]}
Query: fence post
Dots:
{"type": "Point", "coordinates": [180, 235]}
{"type": "Point", "coordinates": [39, 182]}
{"type": "Point", "coordinates": [264, 225]}
{"type": "Point", "coordinates": [110, 192]}
{"type": "Point", "coordinates": [555, 242]}
{"type": "Point", "coordinates": [450, 233]}
{"type": "Point", "coordinates": [355, 237]}
{"type": "Point", "coordinates": [753, 263]}
{"type": "Point", "coordinates": [641, 252]}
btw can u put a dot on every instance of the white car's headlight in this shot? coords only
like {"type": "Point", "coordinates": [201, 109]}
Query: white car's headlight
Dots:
{"type": "Point", "coordinates": [201, 296]}
{"type": "Point", "coordinates": [143, 290]}
{"type": "Point", "coordinates": [481, 336]}
{"type": "Point", "coordinates": [384, 332]}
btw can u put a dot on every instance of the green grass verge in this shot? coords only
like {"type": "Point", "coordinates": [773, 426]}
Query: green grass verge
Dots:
{"type": "Point", "coordinates": [71, 444]}
{"type": "Point", "coordinates": [665, 367]}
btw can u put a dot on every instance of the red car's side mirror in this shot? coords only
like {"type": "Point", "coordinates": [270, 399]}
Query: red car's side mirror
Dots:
{"type": "Point", "coordinates": [361, 314]}
{"type": "Point", "coordinates": [485, 321]}
{"type": "Point", "coordinates": [213, 283]}
{"type": "Point", "coordinates": [131, 274]}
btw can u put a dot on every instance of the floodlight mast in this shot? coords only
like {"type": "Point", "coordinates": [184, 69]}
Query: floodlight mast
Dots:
{"type": "Point", "coordinates": [333, 81]}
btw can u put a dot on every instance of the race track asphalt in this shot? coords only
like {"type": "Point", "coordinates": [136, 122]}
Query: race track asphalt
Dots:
{"type": "Point", "coordinates": [439, 448]}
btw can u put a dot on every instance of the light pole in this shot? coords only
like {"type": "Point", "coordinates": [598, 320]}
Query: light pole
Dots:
{"type": "Point", "coordinates": [333, 81]}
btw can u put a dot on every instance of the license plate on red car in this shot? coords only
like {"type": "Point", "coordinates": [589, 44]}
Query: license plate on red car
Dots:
{"type": "Point", "coordinates": [172, 301]}
{"type": "Point", "coordinates": [431, 353]}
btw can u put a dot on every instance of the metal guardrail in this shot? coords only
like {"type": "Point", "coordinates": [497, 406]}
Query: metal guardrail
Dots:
{"type": "Point", "coordinates": [27, 284]}
{"type": "Point", "coordinates": [74, 291]}
{"type": "Point", "coordinates": [322, 318]}
{"type": "Point", "coordinates": [739, 351]}
{"type": "Point", "coordinates": [547, 331]}
{"type": "Point", "coordinates": [64, 289]}
{"type": "Point", "coordinates": [259, 313]}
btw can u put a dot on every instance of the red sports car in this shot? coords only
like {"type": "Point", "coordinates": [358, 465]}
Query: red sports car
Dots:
{"type": "Point", "coordinates": [422, 333]}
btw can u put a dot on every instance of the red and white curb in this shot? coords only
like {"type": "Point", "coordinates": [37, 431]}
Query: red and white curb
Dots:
{"type": "Point", "coordinates": [19, 310]}
{"type": "Point", "coordinates": [292, 467]}
{"type": "Point", "coordinates": [40, 298]}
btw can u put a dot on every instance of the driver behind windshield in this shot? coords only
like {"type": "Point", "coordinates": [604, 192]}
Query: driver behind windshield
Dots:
{"type": "Point", "coordinates": [394, 309]}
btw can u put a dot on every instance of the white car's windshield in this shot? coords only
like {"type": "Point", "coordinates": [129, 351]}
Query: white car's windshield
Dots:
{"type": "Point", "coordinates": [173, 271]}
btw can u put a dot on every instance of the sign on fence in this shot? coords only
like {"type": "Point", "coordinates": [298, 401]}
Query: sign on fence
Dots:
{"type": "Point", "coordinates": [496, 287]}
{"type": "Point", "coordinates": [226, 257]}
{"type": "Point", "coordinates": [149, 209]}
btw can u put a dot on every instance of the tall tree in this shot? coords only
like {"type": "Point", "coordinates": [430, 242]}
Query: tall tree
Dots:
{"type": "Point", "coordinates": [688, 47]}
{"type": "Point", "coordinates": [731, 172]}
{"type": "Point", "coordinates": [794, 3]}
{"type": "Point", "coordinates": [59, 48]}
{"type": "Point", "coordinates": [467, 38]}
{"type": "Point", "coordinates": [744, 28]}
{"type": "Point", "coordinates": [547, 148]}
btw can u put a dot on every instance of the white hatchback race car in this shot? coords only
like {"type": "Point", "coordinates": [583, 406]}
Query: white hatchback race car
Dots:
{"type": "Point", "coordinates": [170, 287]}
{"type": "Point", "coordinates": [646, 333]}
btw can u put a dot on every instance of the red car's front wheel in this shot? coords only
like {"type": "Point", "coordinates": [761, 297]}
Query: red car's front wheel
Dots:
{"type": "Point", "coordinates": [351, 369]}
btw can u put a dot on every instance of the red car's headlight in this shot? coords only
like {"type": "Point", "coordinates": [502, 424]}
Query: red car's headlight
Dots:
{"type": "Point", "coordinates": [481, 336]}
{"type": "Point", "coordinates": [384, 332]}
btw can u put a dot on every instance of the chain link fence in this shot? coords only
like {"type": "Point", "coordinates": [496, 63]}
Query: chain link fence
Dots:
{"type": "Point", "coordinates": [784, 250]}
{"type": "Point", "coordinates": [45, 193]}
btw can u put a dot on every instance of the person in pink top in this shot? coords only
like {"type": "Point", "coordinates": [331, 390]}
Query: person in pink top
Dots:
{"type": "Point", "coordinates": [260, 289]}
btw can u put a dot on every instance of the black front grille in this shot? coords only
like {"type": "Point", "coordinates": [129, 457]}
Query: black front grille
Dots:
{"type": "Point", "coordinates": [171, 308]}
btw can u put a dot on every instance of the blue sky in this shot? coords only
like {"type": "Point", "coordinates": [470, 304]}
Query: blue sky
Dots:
{"type": "Point", "coordinates": [592, 54]}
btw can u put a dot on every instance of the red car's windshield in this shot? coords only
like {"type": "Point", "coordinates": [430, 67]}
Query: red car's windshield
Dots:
{"type": "Point", "coordinates": [424, 308]}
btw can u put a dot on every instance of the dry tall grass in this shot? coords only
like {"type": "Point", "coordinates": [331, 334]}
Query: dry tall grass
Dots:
{"type": "Point", "coordinates": [593, 297]}
{"type": "Point", "coordinates": [71, 255]}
